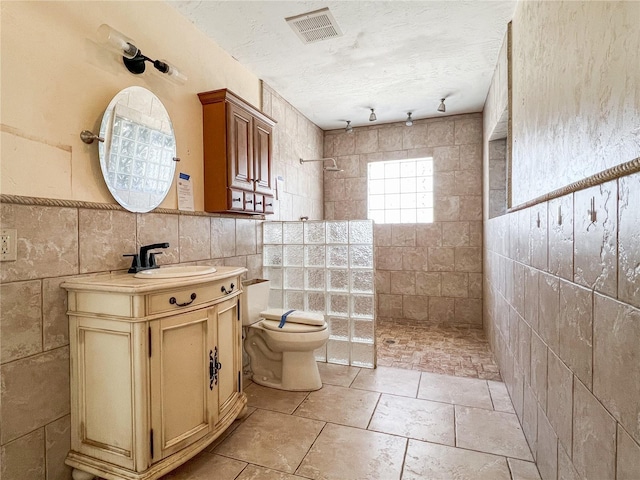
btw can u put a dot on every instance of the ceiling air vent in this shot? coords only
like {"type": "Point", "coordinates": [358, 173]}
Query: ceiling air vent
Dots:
{"type": "Point", "coordinates": [314, 26]}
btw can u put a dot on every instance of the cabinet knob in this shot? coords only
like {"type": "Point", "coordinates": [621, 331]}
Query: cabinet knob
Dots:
{"type": "Point", "coordinates": [234, 200]}
{"type": "Point", "coordinates": [249, 201]}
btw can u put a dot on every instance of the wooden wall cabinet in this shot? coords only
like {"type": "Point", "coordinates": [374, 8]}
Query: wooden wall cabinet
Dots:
{"type": "Point", "coordinates": [155, 370]}
{"type": "Point", "coordinates": [237, 155]}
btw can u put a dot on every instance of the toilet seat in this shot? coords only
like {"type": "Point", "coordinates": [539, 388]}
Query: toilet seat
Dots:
{"type": "Point", "coordinates": [291, 327]}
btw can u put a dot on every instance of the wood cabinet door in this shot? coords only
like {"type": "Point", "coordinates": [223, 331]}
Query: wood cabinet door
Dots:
{"type": "Point", "coordinates": [239, 147]}
{"type": "Point", "coordinates": [262, 157]}
{"type": "Point", "coordinates": [181, 392]}
{"type": "Point", "coordinates": [229, 344]}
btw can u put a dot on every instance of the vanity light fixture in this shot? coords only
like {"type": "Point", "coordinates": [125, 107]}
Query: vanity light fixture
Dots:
{"type": "Point", "coordinates": [372, 117]}
{"type": "Point", "coordinates": [409, 121]}
{"type": "Point", "coordinates": [348, 128]}
{"type": "Point", "coordinates": [442, 107]}
{"type": "Point", "coordinates": [132, 57]}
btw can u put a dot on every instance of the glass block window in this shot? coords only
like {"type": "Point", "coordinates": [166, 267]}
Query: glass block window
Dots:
{"type": "Point", "coordinates": [400, 191]}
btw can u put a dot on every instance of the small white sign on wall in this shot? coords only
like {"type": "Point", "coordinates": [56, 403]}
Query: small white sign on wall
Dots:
{"type": "Point", "coordinates": [185, 192]}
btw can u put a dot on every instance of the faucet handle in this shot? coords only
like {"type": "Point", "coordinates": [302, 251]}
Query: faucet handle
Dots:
{"type": "Point", "coordinates": [135, 263]}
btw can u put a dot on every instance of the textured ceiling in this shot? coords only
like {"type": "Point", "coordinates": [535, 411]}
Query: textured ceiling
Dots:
{"type": "Point", "coordinates": [394, 56]}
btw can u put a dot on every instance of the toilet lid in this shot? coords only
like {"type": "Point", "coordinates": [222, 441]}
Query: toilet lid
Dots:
{"type": "Point", "coordinates": [292, 327]}
{"type": "Point", "coordinates": [293, 316]}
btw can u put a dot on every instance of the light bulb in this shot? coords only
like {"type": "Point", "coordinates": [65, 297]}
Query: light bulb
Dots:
{"type": "Point", "coordinates": [116, 41]}
{"type": "Point", "coordinates": [172, 72]}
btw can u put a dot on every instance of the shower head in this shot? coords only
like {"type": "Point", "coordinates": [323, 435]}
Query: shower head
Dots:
{"type": "Point", "coordinates": [330, 168]}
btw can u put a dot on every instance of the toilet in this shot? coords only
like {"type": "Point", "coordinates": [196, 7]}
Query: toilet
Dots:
{"type": "Point", "coordinates": [281, 343]}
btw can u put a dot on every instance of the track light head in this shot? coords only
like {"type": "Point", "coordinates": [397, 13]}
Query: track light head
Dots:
{"type": "Point", "coordinates": [409, 121]}
{"type": "Point", "coordinates": [442, 107]}
{"type": "Point", "coordinates": [348, 128]}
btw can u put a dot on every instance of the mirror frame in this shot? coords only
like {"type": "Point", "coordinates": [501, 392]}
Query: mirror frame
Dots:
{"type": "Point", "coordinates": [138, 155]}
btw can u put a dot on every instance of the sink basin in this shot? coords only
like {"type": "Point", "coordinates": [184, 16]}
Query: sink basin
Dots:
{"type": "Point", "coordinates": [176, 271]}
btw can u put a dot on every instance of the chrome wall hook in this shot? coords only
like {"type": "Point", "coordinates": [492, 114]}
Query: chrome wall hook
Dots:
{"type": "Point", "coordinates": [88, 137]}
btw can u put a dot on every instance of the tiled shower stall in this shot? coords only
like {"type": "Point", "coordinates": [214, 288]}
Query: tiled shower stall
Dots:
{"type": "Point", "coordinates": [326, 267]}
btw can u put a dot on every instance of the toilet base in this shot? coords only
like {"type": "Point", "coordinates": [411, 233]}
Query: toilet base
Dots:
{"type": "Point", "coordinates": [299, 373]}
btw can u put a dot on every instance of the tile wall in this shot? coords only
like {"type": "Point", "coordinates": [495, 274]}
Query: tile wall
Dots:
{"type": "Point", "coordinates": [562, 307]}
{"type": "Point", "coordinates": [429, 273]}
{"type": "Point", "coordinates": [562, 277]}
{"type": "Point", "coordinates": [55, 243]}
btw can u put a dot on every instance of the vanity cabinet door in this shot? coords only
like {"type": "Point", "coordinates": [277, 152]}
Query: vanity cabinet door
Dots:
{"type": "Point", "coordinates": [240, 148]}
{"type": "Point", "coordinates": [262, 157]}
{"type": "Point", "coordinates": [228, 338]}
{"type": "Point", "coordinates": [182, 407]}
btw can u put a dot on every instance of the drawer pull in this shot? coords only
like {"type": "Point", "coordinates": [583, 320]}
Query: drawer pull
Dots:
{"type": "Point", "coordinates": [225, 291]}
{"type": "Point", "coordinates": [234, 200]}
{"type": "Point", "coordinates": [173, 301]}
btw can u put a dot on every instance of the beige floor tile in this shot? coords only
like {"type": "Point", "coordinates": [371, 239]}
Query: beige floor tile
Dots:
{"type": "Point", "coordinates": [272, 440]}
{"type": "Point", "coordinates": [346, 453]}
{"type": "Point", "coordinates": [413, 418]}
{"type": "Point", "coordinates": [253, 472]}
{"type": "Point", "coordinates": [471, 392]}
{"type": "Point", "coordinates": [273, 399]}
{"type": "Point", "coordinates": [236, 423]}
{"type": "Point", "coordinates": [207, 467]}
{"type": "Point", "coordinates": [333, 374]}
{"type": "Point", "coordinates": [492, 432]}
{"type": "Point", "coordinates": [388, 380]}
{"type": "Point", "coordinates": [521, 470]}
{"type": "Point", "coordinates": [500, 397]}
{"type": "Point", "coordinates": [345, 406]}
{"type": "Point", "coordinates": [440, 462]}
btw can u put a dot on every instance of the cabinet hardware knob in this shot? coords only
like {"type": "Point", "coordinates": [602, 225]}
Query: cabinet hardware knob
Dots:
{"type": "Point", "coordinates": [258, 203]}
{"type": "Point", "coordinates": [270, 204]}
{"type": "Point", "coordinates": [236, 199]}
{"type": "Point", "coordinates": [173, 301]}
{"type": "Point", "coordinates": [225, 291]}
{"type": "Point", "coordinates": [249, 201]}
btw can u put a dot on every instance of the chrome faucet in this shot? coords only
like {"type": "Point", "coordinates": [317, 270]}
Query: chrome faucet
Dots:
{"type": "Point", "coordinates": [145, 260]}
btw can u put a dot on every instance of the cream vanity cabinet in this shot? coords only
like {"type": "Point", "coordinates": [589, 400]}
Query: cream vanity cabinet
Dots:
{"type": "Point", "coordinates": [155, 370]}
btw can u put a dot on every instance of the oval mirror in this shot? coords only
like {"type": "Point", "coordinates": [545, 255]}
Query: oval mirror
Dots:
{"type": "Point", "coordinates": [137, 155]}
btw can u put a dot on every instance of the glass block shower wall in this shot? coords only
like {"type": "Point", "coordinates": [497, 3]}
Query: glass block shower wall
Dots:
{"type": "Point", "coordinates": [326, 267]}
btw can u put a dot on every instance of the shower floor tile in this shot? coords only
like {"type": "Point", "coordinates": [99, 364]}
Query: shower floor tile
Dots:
{"type": "Point", "coordinates": [461, 351]}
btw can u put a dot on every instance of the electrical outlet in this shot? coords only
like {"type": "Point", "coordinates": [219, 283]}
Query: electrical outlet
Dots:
{"type": "Point", "coordinates": [8, 244]}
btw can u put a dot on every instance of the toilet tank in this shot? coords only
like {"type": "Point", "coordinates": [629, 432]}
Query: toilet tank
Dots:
{"type": "Point", "coordinates": [255, 299]}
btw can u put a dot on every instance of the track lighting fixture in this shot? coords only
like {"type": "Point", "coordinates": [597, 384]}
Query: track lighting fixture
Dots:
{"type": "Point", "coordinates": [132, 57]}
{"type": "Point", "coordinates": [442, 107]}
{"type": "Point", "coordinates": [348, 128]}
{"type": "Point", "coordinates": [409, 121]}
{"type": "Point", "coordinates": [372, 117]}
